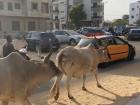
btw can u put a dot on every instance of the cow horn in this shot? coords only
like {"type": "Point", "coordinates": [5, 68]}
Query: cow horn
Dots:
{"type": "Point", "coordinates": [49, 55]}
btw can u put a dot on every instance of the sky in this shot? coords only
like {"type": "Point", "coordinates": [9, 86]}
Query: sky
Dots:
{"type": "Point", "coordinates": [114, 9]}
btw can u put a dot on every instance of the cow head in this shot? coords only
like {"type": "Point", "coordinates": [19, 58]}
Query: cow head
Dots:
{"type": "Point", "coordinates": [102, 53]}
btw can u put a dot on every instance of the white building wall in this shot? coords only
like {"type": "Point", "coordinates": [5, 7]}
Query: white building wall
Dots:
{"type": "Point", "coordinates": [134, 12]}
{"type": "Point", "coordinates": [87, 8]}
{"type": "Point", "coordinates": [24, 15]}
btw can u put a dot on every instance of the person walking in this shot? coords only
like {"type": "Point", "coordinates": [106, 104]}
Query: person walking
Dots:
{"type": "Point", "coordinates": [8, 47]}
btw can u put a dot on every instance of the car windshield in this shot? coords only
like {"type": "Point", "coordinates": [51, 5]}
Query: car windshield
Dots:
{"type": "Point", "coordinates": [86, 42]}
{"type": "Point", "coordinates": [71, 32]}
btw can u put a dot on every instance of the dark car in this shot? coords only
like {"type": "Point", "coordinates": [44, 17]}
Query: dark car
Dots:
{"type": "Point", "coordinates": [134, 34]}
{"type": "Point", "coordinates": [42, 40]}
{"type": "Point", "coordinates": [117, 48]}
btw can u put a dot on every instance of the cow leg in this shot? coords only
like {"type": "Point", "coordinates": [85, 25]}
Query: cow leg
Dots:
{"type": "Point", "coordinates": [96, 77]}
{"type": "Point", "coordinates": [55, 88]}
{"type": "Point", "coordinates": [68, 87]}
{"type": "Point", "coordinates": [26, 102]}
{"type": "Point", "coordinates": [4, 103]}
{"type": "Point", "coordinates": [84, 79]}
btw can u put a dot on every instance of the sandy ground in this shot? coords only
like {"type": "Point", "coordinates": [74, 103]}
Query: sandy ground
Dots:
{"type": "Point", "coordinates": [121, 82]}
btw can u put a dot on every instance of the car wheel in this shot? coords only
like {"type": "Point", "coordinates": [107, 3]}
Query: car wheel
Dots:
{"type": "Point", "coordinates": [131, 54]}
{"type": "Point", "coordinates": [72, 42]}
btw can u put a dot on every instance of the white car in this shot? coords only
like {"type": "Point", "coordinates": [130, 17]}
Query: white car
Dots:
{"type": "Point", "coordinates": [68, 36]}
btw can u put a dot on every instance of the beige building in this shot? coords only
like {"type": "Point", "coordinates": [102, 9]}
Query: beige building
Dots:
{"type": "Point", "coordinates": [19, 16]}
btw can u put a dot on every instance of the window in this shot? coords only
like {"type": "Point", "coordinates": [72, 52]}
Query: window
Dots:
{"type": "Point", "coordinates": [45, 7]}
{"type": "Point", "coordinates": [103, 42]}
{"type": "Point", "coordinates": [34, 6]}
{"type": "Point", "coordinates": [17, 5]}
{"type": "Point", "coordinates": [133, 9]}
{"type": "Point", "coordinates": [31, 26]}
{"type": "Point", "coordinates": [16, 26]}
{"type": "Point", "coordinates": [94, 4]}
{"type": "Point", "coordinates": [62, 11]}
{"type": "Point", "coordinates": [56, 17]}
{"type": "Point", "coordinates": [118, 41]}
{"type": "Point", "coordinates": [0, 26]}
{"type": "Point", "coordinates": [1, 5]}
{"type": "Point", "coordinates": [10, 6]}
{"type": "Point", "coordinates": [61, 2]}
{"type": "Point", "coordinates": [132, 17]}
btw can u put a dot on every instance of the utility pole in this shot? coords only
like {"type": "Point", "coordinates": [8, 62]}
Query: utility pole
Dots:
{"type": "Point", "coordinates": [51, 15]}
{"type": "Point", "coordinates": [67, 18]}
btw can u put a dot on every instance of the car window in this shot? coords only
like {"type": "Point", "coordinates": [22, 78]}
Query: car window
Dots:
{"type": "Point", "coordinates": [33, 35]}
{"type": "Point", "coordinates": [86, 42]}
{"type": "Point", "coordinates": [103, 42]}
{"type": "Point", "coordinates": [119, 41]}
{"type": "Point", "coordinates": [47, 35]}
{"type": "Point", "coordinates": [59, 33]}
{"type": "Point", "coordinates": [111, 41]}
{"type": "Point", "coordinates": [71, 32]}
{"type": "Point", "coordinates": [135, 31]}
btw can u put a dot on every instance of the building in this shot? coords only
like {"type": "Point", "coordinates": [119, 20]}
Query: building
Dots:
{"type": "Point", "coordinates": [20, 16]}
{"type": "Point", "coordinates": [134, 12]}
{"type": "Point", "coordinates": [94, 10]}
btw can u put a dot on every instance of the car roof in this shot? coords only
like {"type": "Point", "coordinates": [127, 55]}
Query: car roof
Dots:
{"type": "Point", "coordinates": [98, 37]}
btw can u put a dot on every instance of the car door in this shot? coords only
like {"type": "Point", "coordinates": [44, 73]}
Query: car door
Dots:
{"type": "Point", "coordinates": [117, 48]}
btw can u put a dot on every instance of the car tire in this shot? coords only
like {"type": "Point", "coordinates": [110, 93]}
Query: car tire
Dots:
{"type": "Point", "coordinates": [131, 54]}
{"type": "Point", "coordinates": [72, 42]}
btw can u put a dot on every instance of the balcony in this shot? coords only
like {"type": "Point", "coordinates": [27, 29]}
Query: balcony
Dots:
{"type": "Point", "coordinates": [97, 17]}
{"type": "Point", "coordinates": [97, 8]}
{"type": "Point", "coordinates": [56, 11]}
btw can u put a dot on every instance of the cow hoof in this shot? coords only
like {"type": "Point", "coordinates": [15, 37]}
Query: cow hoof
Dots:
{"type": "Point", "coordinates": [99, 86]}
{"type": "Point", "coordinates": [84, 89]}
{"type": "Point", "coordinates": [71, 97]}
{"type": "Point", "coordinates": [56, 98]}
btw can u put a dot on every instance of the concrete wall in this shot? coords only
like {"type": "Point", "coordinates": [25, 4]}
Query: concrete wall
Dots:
{"type": "Point", "coordinates": [134, 12]}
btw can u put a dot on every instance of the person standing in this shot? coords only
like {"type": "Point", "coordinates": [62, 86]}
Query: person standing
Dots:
{"type": "Point", "coordinates": [8, 47]}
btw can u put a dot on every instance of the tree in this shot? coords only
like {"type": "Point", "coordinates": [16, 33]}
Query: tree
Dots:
{"type": "Point", "coordinates": [77, 14]}
{"type": "Point", "coordinates": [120, 22]}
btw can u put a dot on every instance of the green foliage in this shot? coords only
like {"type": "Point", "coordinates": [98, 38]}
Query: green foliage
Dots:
{"type": "Point", "coordinates": [77, 14]}
{"type": "Point", "coordinates": [120, 22]}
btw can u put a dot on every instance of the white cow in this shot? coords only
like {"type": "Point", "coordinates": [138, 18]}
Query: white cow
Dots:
{"type": "Point", "coordinates": [76, 62]}
{"type": "Point", "coordinates": [18, 77]}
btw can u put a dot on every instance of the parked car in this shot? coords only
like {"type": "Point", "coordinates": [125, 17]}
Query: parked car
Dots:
{"type": "Point", "coordinates": [93, 31]}
{"type": "Point", "coordinates": [67, 36]}
{"type": "Point", "coordinates": [134, 34]}
{"type": "Point", "coordinates": [117, 48]}
{"type": "Point", "coordinates": [42, 40]}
